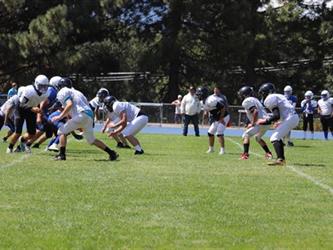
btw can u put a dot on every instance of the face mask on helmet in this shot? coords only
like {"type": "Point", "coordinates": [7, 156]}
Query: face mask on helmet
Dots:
{"type": "Point", "coordinates": [108, 102]}
{"type": "Point", "coordinates": [102, 94]}
{"type": "Point", "coordinates": [41, 83]}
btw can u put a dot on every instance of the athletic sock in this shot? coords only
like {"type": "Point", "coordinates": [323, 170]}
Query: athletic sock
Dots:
{"type": "Point", "coordinates": [278, 146]}
{"type": "Point", "coordinates": [246, 147]}
{"type": "Point", "coordinates": [266, 149]}
{"type": "Point", "coordinates": [62, 151]}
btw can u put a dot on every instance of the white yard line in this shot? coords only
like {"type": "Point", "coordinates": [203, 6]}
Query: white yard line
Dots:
{"type": "Point", "coordinates": [295, 170]}
{"type": "Point", "coordinates": [13, 163]}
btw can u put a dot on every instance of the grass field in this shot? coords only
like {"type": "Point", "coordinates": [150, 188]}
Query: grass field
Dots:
{"type": "Point", "coordinates": [173, 196]}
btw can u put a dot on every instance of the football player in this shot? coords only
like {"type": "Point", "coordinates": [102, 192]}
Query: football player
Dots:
{"type": "Point", "coordinates": [30, 97]}
{"type": "Point", "coordinates": [325, 109]}
{"type": "Point", "coordinates": [131, 121]}
{"type": "Point", "coordinates": [254, 111]}
{"type": "Point", "coordinates": [282, 111]}
{"type": "Point", "coordinates": [7, 115]}
{"type": "Point", "coordinates": [216, 106]}
{"type": "Point", "coordinates": [309, 107]}
{"type": "Point", "coordinates": [288, 93]}
{"type": "Point", "coordinates": [76, 105]}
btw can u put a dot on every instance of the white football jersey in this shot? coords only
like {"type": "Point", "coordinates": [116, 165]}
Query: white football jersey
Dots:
{"type": "Point", "coordinates": [309, 106]}
{"type": "Point", "coordinates": [131, 110]}
{"type": "Point", "coordinates": [29, 97]}
{"type": "Point", "coordinates": [250, 102]}
{"type": "Point", "coordinates": [95, 103]}
{"type": "Point", "coordinates": [211, 101]}
{"type": "Point", "coordinates": [325, 106]}
{"type": "Point", "coordinates": [80, 102]}
{"type": "Point", "coordinates": [12, 103]}
{"type": "Point", "coordinates": [279, 101]}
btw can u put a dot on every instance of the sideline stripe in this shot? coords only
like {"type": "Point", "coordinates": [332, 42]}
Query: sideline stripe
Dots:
{"type": "Point", "coordinates": [295, 170]}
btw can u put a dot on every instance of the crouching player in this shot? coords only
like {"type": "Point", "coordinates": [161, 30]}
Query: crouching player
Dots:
{"type": "Point", "coordinates": [281, 110]}
{"type": "Point", "coordinates": [131, 121]}
{"type": "Point", "coordinates": [220, 117]}
{"type": "Point", "coordinates": [254, 111]}
{"type": "Point", "coordinates": [76, 104]}
{"type": "Point", "coordinates": [7, 114]}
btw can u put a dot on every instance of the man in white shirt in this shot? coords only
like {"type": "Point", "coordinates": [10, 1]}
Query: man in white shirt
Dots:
{"type": "Point", "coordinates": [325, 109]}
{"type": "Point", "coordinates": [131, 121]}
{"type": "Point", "coordinates": [254, 111]}
{"type": "Point", "coordinates": [282, 111]}
{"type": "Point", "coordinates": [29, 97]}
{"type": "Point", "coordinates": [190, 108]}
{"type": "Point", "coordinates": [76, 105]}
{"type": "Point", "coordinates": [178, 113]}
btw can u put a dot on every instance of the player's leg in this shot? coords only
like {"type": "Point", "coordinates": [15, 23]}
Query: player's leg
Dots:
{"type": "Point", "coordinates": [132, 129]}
{"type": "Point", "coordinates": [211, 137]}
{"type": "Point", "coordinates": [305, 125]}
{"type": "Point", "coordinates": [280, 132]}
{"type": "Point", "coordinates": [18, 120]}
{"type": "Point", "coordinates": [324, 126]}
{"type": "Point", "coordinates": [220, 133]}
{"type": "Point", "coordinates": [310, 121]}
{"type": "Point", "coordinates": [262, 130]}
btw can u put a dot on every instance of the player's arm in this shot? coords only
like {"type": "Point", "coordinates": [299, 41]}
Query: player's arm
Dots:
{"type": "Point", "coordinates": [254, 111]}
{"type": "Point", "coordinates": [106, 123]}
{"type": "Point", "coordinates": [267, 121]}
{"type": "Point", "coordinates": [222, 113]}
{"type": "Point", "coordinates": [65, 112]}
{"type": "Point", "coordinates": [121, 125]}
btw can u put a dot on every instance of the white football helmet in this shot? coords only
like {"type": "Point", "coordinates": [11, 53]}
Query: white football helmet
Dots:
{"type": "Point", "coordinates": [308, 94]}
{"type": "Point", "coordinates": [288, 90]}
{"type": "Point", "coordinates": [325, 94]}
{"type": "Point", "coordinates": [41, 83]}
{"type": "Point", "coordinates": [54, 81]}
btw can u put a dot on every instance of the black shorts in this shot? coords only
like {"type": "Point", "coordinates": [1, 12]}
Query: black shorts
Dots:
{"type": "Point", "coordinates": [25, 114]}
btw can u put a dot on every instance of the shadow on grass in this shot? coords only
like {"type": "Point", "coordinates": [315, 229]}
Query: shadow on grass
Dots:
{"type": "Point", "coordinates": [309, 165]}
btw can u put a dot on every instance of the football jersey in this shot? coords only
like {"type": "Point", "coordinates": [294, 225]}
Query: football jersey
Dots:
{"type": "Point", "coordinates": [292, 99]}
{"type": "Point", "coordinates": [29, 97]}
{"type": "Point", "coordinates": [251, 102]}
{"type": "Point", "coordinates": [308, 106]}
{"type": "Point", "coordinates": [12, 103]}
{"type": "Point", "coordinates": [94, 103]}
{"type": "Point", "coordinates": [80, 102]}
{"type": "Point", "coordinates": [279, 101]}
{"type": "Point", "coordinates": [131, 110]}
{"type": "Point", "coordinates": [325, 106]}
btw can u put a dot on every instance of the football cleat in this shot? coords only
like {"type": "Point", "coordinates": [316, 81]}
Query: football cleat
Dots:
{"type": "Point", "coordinates": [222, 152]}
{"type": "Point", "coordinates": [209, 151]}
{"type": "Point", "coordinates": [113, 156]}
{"type": "Point", "coordinates": [290, 144]}
{"type": "Point", "coordinates": [53, 147]}
{"type": "Point", "coordinates": [35, 145]}
{"type": "Point", "coordinates": [268, 156]}
{"type": "Point", "coordinates": [27, 149]}
{"type": "Point", "coordinates": [139, 152]}
{"type": "Point", "coordinates": [244, 156]}
{"type": "Point", "coordinates": [60, 157]}
{"type": "Point", "coordinates": [278, 162]}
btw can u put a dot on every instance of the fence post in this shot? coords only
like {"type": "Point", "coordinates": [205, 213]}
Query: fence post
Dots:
{"type": "Point", "coordinates": [161, 114]}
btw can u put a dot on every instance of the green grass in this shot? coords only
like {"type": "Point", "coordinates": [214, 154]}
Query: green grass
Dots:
{"type": "Point", "coordinates": [173, 196]}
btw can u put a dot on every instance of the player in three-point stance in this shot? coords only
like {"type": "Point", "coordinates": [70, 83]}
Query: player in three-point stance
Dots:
{"type": "Point", "coordinates": [76, 105]}
{"type": "Point", "coordinates": [282, 111]}
{"type": "Point", "coordinates": [220, 117]}
{"type": "Point", "coordinates": [131, 121]}
{"type": "Point", "coordinates": [254, 111]}
{"type": "Point", "coordinates": [29, 97]}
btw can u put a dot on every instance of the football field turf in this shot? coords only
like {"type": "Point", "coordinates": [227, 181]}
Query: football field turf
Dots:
{"type": "Point", "coordinates": [173, 196]}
